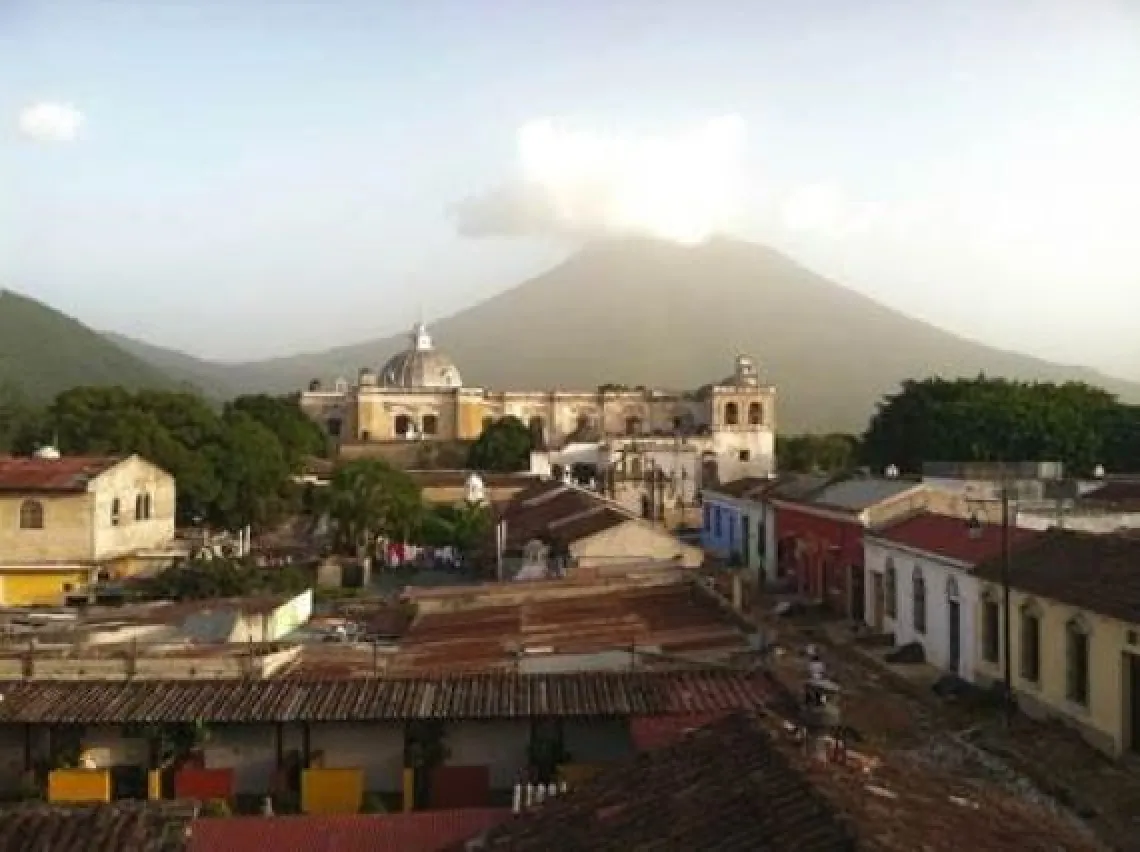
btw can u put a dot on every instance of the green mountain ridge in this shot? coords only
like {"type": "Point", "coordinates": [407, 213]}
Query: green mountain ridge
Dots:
{"type": "Point", "coordinates": [643, 312]}
{"type": "Point", "coordinates": [43, 352]}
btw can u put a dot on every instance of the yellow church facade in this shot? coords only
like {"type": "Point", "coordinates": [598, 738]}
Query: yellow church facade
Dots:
{"type": "Point", "coordinates": [419, 395]}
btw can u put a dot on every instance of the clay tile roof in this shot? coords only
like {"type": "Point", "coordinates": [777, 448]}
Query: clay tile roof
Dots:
{"type": "Point", "coordinates": [723, 787]}
{"type": "Point", "coordinates": [150, 827]}
{"type": "Point", "coordinates": [19, 474]}
{"type": "Point", "coordinates": [950, 537]}
{"type": "Point", "coordinates": [425, 831]}
{"type": "Point", "coordinates": [742, 784]}
{"type": "Point", "coordinates": [1098, 573]}
{"type": "Point", "coordinates": [558, 512]}
{"type": "Point", "coordinates": [498, 695]}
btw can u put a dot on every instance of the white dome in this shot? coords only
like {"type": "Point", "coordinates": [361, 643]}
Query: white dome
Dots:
{"type": "Point", "coordinates": [47, 452]}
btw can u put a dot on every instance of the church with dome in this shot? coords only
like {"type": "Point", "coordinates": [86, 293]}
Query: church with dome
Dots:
{"type": "Point", "coordinates": [419, 395]}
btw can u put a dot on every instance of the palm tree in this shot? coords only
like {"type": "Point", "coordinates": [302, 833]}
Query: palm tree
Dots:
{"type": "Point", "coordinates": [368, 498]}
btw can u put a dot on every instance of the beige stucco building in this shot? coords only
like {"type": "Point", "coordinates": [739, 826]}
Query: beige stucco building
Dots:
{"type": "Point", "coordinates": [67, 522]}
{"type": "Point", "coordinates": [1074, 633]}
{"type": "Point", "coordinates": [419, 395]}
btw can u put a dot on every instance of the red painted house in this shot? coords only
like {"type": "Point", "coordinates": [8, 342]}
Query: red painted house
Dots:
{"type": "Point", "coordinates": [820, 533]}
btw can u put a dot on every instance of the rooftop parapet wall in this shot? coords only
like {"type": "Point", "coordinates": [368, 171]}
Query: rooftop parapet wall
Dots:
{"type": "Point", "coordinates": [227, 665]}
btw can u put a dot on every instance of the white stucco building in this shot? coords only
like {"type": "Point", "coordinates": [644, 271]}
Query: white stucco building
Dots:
{"type": "Point", "coordinates": [920, 586]}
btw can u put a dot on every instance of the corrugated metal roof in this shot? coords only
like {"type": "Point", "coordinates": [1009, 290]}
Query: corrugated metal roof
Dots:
{"type": "Point", "coordinates": [36, 475]}
{"type": "Point", "coordinates": [668, 617]}
{"type": "Point", "coordinates": [859, 493]}
{"type": "Point", "coordinates": [477, 696]}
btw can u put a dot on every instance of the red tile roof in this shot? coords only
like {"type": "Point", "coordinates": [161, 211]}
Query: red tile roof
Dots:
{"type": "Point", "coordinates": [423, 831]}
{"type": "Point", "coordinates": [35, 475]}
{"type": "Point", "coordinates": [950, 537]}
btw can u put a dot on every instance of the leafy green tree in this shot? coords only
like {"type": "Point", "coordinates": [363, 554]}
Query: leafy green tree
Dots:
{"type": "Point", "coordinates": [463, 527]}
{"type": "Point", "coordinates": [231, 470]}
{"type": "Point", "coordinates": [805, 453]}
{"type": "Point", "coordinates": [299, 435]}
{"type": "Point", "coordinates": [204, 579]}
{"type": "Point", "coordinates": [504, 447]}
{"type": "Point", "coordinates": [367, 498]}
{"type": "Point", "coordinates": [253, 473]}
{"type": "Point", "coordinates": [985, 419]}
{"type": "Point", "coordinates": [18, 416]}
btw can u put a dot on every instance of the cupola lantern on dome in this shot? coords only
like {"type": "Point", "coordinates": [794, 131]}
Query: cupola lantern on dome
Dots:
{"type": "Point", "coordinates": [421, 365]}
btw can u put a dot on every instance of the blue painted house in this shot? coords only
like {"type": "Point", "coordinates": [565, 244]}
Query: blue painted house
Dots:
{"type": "Point", "coordinates": [736, 524]}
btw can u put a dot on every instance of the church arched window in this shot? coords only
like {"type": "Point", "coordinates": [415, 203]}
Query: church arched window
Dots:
{"type": "Point", "coordinates": [731, 414]}
{"type": "Point", "coordinates": [755, 413]}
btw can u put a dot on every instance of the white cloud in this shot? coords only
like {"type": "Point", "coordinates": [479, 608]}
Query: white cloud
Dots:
{"type": "Point", "coordinates": [681, 187]}
{"type": "Point", "coordinates": [50, 122]}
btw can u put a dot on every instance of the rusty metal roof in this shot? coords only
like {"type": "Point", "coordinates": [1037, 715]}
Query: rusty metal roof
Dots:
{"type": "Point", "coordinates": [673, 618]}
{"type": "Point", "coordinates": [19, 474]}
{"type": "Point", "coordinates": [478, 696]}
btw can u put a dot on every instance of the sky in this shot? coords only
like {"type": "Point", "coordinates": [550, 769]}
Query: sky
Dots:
{"type": "Point", "coordinates": [247, 178]}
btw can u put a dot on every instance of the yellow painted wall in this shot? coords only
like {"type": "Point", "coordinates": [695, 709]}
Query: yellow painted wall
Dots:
{"type": "Point", "coordinates": [154, 784]}
{"type": "Point", "coordinates": [79, 785]}
{"type": "Point", "coordinates": [332, 791]}
{"type": "Point", "coordinates": [373, 419]}
{"type": "Point", "coordinates": [1104, 722]}
{"type": "Point", "coordinates": [409, 789]}
{"type": "Point", "coordinates": [66, 537]}
{"type": "Point", "coordinates": [471, 414]}
{"type": "Point", "coordinates": [38, 588]}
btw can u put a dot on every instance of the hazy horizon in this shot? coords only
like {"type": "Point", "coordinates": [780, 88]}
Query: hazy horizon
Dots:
{"type": "Point", "coordinates": [240, 182]}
